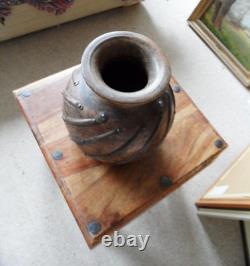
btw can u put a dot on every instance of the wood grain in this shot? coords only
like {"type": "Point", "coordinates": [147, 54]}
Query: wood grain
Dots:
{"type": "Point", "coordinates": [113, 195]}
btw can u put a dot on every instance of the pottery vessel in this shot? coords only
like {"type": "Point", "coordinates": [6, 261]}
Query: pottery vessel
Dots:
{"type": "Point", "coordinates": [118, 105]}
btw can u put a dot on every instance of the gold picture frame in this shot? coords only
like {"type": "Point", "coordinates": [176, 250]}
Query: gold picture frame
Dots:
{"type": "Point", "coordinates": [196, 22]}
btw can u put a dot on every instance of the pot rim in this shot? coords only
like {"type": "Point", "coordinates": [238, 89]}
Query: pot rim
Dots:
{"type": "Point", "coordinates": [149, 93]}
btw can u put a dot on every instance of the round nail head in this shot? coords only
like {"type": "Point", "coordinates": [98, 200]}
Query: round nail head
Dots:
{"type": "Point", "coordinates": [165, 181]}
{"type": "Point", "coordinates": [176, 88]}
{"type": "Point", "coordinates": [94, 227]}
{"type": "Point", "coordinates": [102, 117]}
{"type": "Point", "coordinates": [80, 106]}
{"type": "Point", "coordinates": [161, 103]}
{"type": "Point", "coordinates": [219, 143]}
{"type": "Point", "coordinates": [57, 155]}
{"type": "Point", "coordinates": [26, 94]}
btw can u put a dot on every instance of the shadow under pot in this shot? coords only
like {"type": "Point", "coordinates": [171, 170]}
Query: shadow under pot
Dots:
{"type": "Point", "coordinates": [118, 105]}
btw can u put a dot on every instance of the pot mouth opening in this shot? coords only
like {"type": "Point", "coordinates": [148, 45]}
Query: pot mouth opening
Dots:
{"type": "Point", "coordinates": [125, 68]}
{"type": "Point", "coordinates": [125, 73]}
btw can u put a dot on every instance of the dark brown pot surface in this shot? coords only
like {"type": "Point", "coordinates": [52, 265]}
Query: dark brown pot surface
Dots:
{"type": "Point", "coordinates": [118, 105]}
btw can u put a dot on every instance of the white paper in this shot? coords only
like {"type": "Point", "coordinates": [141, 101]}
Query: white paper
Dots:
{"type": "Point", "coordinates": [217, 191]}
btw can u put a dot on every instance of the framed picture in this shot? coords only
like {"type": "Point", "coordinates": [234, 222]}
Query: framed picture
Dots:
{"type": "Point", "coordinates": [225, 26]}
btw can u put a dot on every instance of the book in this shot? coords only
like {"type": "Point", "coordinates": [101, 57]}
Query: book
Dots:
{"type": "Point", "coordinates": [17, 20]}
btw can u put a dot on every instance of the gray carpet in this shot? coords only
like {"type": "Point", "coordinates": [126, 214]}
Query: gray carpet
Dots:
{"type": "Point", "coordinates": [36, 225]}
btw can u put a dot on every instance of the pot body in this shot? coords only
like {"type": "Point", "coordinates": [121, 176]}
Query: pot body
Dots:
{"type": "Point", "coordinates": [118, 105]}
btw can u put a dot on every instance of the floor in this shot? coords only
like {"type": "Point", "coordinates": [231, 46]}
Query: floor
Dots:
{"type": "Point", "coordinates": [36, 225]}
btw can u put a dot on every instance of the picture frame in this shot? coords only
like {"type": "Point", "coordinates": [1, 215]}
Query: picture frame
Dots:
{"type": "Point", "coordinates": [217, 36]}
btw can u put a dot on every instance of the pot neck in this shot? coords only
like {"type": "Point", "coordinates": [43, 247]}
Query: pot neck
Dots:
{"type": "Point", "coordinates": [125, 68]}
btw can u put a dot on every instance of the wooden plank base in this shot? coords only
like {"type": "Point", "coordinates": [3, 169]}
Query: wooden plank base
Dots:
{"type": "Point", "coordinates": [103, 197]}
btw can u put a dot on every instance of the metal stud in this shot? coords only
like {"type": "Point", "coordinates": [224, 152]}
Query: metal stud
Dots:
{"type": "Point", "coordinates": [161, 103]}
{"type": "Point", "coordinates": [76, 83]}
{"type": "Point", "coordinates": [94, 227]}
{"type": "Point", "coordinates": [26, 94]}
{"type": "Point", "coordinates": [79, 106]}
{"type": "Point", "coordinates": [219, 143]}
{"type": "Point", "coordinates": [57, 155]}
{"type": "Point", "coordinates": [176, 88]}
{"type": "Point", "coordinates": [165, 181]}
{"type": "Point", "coordinates": [102, 117]}
{"type": "Point", "coordinates": [118, 130]}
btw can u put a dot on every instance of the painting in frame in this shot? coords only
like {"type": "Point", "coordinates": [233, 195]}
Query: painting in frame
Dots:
{"type": "Point", "coordinates": [225, 26]}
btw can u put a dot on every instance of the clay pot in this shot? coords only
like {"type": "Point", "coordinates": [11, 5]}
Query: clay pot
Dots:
{"type": "Point", "coordinates": [118, 105]}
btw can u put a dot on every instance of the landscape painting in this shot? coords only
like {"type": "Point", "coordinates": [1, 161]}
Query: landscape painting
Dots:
{"type": "Point", "coordinates": [225, 26]}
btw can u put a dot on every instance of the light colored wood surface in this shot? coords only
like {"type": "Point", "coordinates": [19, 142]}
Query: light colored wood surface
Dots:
{"type": "Point", "coordinates": [26, 18]}
{"type": "Point", "coordinates": [232, 189]}
{"type": "Point", "coordinates": [113, 195]}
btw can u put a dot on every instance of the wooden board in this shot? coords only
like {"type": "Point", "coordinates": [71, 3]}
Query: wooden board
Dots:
{"type": "Point", "coordinates": [113, 195]}
{"type": "Point", "coordinates": [26, 18]}
{"type": "Point", "coordinates": [232, 189]}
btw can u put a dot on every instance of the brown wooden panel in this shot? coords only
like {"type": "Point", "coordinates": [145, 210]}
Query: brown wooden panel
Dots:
{"type": "Point", "coordinates": [113, 195]}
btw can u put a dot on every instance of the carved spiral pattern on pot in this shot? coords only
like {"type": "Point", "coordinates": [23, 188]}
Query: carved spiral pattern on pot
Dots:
{"type": "Point", "coordinates": [120, 136]}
